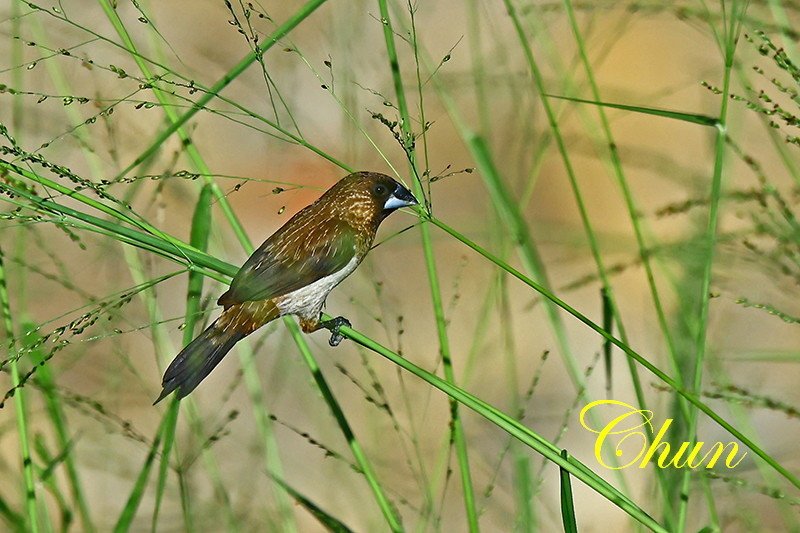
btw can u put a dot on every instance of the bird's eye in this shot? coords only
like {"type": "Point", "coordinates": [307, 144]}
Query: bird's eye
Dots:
{"type": "Point", "coordinates": [379, 190]}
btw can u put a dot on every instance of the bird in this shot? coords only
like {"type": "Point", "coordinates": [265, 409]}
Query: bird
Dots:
{"type": "Point", "coordinates": [293, 272]}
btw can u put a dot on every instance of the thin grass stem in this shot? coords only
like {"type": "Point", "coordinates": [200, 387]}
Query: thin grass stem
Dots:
{"type": "Point", "coordinates": [19, 406]}
{"type": "Point", "coordinates": [459, 439]}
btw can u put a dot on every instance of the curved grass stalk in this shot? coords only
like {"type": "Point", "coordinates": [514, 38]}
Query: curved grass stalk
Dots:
{"type": "Point", "coordinates": [590, 235]}
{"type": "Point", "coordinates": [125, 520]}
{"type": "Point", "coordinates": [517, 430]}
{"type": "Point", "coordinates": [660, 374]}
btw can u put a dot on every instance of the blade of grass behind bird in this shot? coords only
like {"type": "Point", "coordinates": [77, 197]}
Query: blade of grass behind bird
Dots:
{"type": "Point", "coordinates": [170, 422]}
{"type": "Point", "coordinates": [153, 241]}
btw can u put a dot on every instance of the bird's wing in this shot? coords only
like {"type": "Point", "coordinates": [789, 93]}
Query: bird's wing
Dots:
{"type": "Point", "coordinates": [291, 259]}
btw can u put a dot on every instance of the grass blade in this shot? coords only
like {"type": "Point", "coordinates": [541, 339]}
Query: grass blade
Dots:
{"type": "Point", "coordinates": [327, 521]}
{"type": "Point", "coordinates": [381, 499]}
{"type": "Point", "coordinates": [731, 34]}
{"type": "Point", "coordinates": [140, 486]}
{"type": "Point", "coordinates": [170, 422]}
{"type": "Point", "coordinates": [608, 324]}
{"type": "Point", "coordinates": [514, 428]}
{"type": "Point", "coordinates": [567, 505]}
{"type": "Point", "coordinates": [48, 480]}
{"type": "Point", "coordinates": [660, 374]}
{"type": "Point", "coordinates": [693, 118]}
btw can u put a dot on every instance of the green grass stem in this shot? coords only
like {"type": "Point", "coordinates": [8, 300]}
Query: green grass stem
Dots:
{"type": "Point", "coordinates": [459, 439]}
{"type": "Point", "coordinates": [19, 406]}
{"type": "Point", "coordinates": [567, 503]}
{"type": "Point", "coordinates": [731, 36]}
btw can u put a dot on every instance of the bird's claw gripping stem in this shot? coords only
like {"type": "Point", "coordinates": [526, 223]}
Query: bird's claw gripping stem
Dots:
{"type": "Point", "coordinates": [333, 326]}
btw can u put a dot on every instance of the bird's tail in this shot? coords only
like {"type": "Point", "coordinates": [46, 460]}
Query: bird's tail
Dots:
{"type": "Point", "coordinates": [197, 360]}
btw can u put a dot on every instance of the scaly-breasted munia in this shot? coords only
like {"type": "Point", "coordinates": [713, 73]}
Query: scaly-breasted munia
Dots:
{"type": "Point", "coordinates": [293, 271]}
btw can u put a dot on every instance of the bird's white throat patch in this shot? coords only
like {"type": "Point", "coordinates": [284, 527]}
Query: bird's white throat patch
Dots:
{"type": "Point", "coordinates": [307, 302]}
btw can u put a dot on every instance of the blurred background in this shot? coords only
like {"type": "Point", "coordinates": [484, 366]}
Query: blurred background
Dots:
{"type": "Point", "coordinates": [73, 93]}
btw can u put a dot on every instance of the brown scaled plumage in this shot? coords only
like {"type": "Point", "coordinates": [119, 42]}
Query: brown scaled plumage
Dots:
{"type": "Point", "coordinates": [293, 272]}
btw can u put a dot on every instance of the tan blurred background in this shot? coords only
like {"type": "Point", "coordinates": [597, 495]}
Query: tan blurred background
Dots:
{"type": "Point", "coordinates": [655, 55]}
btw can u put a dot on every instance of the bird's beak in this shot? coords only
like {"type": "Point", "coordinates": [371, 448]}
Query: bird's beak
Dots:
{"type": "Point", "coordinates": [400, 197]}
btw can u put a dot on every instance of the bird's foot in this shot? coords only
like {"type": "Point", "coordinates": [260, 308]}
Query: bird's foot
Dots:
{"type": "Point", "coordinates": [333, 326]}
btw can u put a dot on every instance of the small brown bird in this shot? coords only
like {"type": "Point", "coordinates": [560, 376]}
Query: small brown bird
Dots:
{"type": "Point", "coordinates": [293, 272]}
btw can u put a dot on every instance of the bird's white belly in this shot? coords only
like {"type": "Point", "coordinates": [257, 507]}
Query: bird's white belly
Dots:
{"type": "Point", "coordinates": [307, 302]}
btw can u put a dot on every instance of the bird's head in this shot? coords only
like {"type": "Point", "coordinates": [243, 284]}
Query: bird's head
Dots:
{"type": "Point", "coordinates": [366, 198]}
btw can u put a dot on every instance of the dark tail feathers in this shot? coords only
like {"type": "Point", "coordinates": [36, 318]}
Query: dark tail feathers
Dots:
{"type": "Point", "coordinates": [197, 360]}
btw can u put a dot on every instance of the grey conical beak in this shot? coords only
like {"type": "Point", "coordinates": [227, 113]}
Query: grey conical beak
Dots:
{"type": "Point", "coordinates": [400, 197]}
